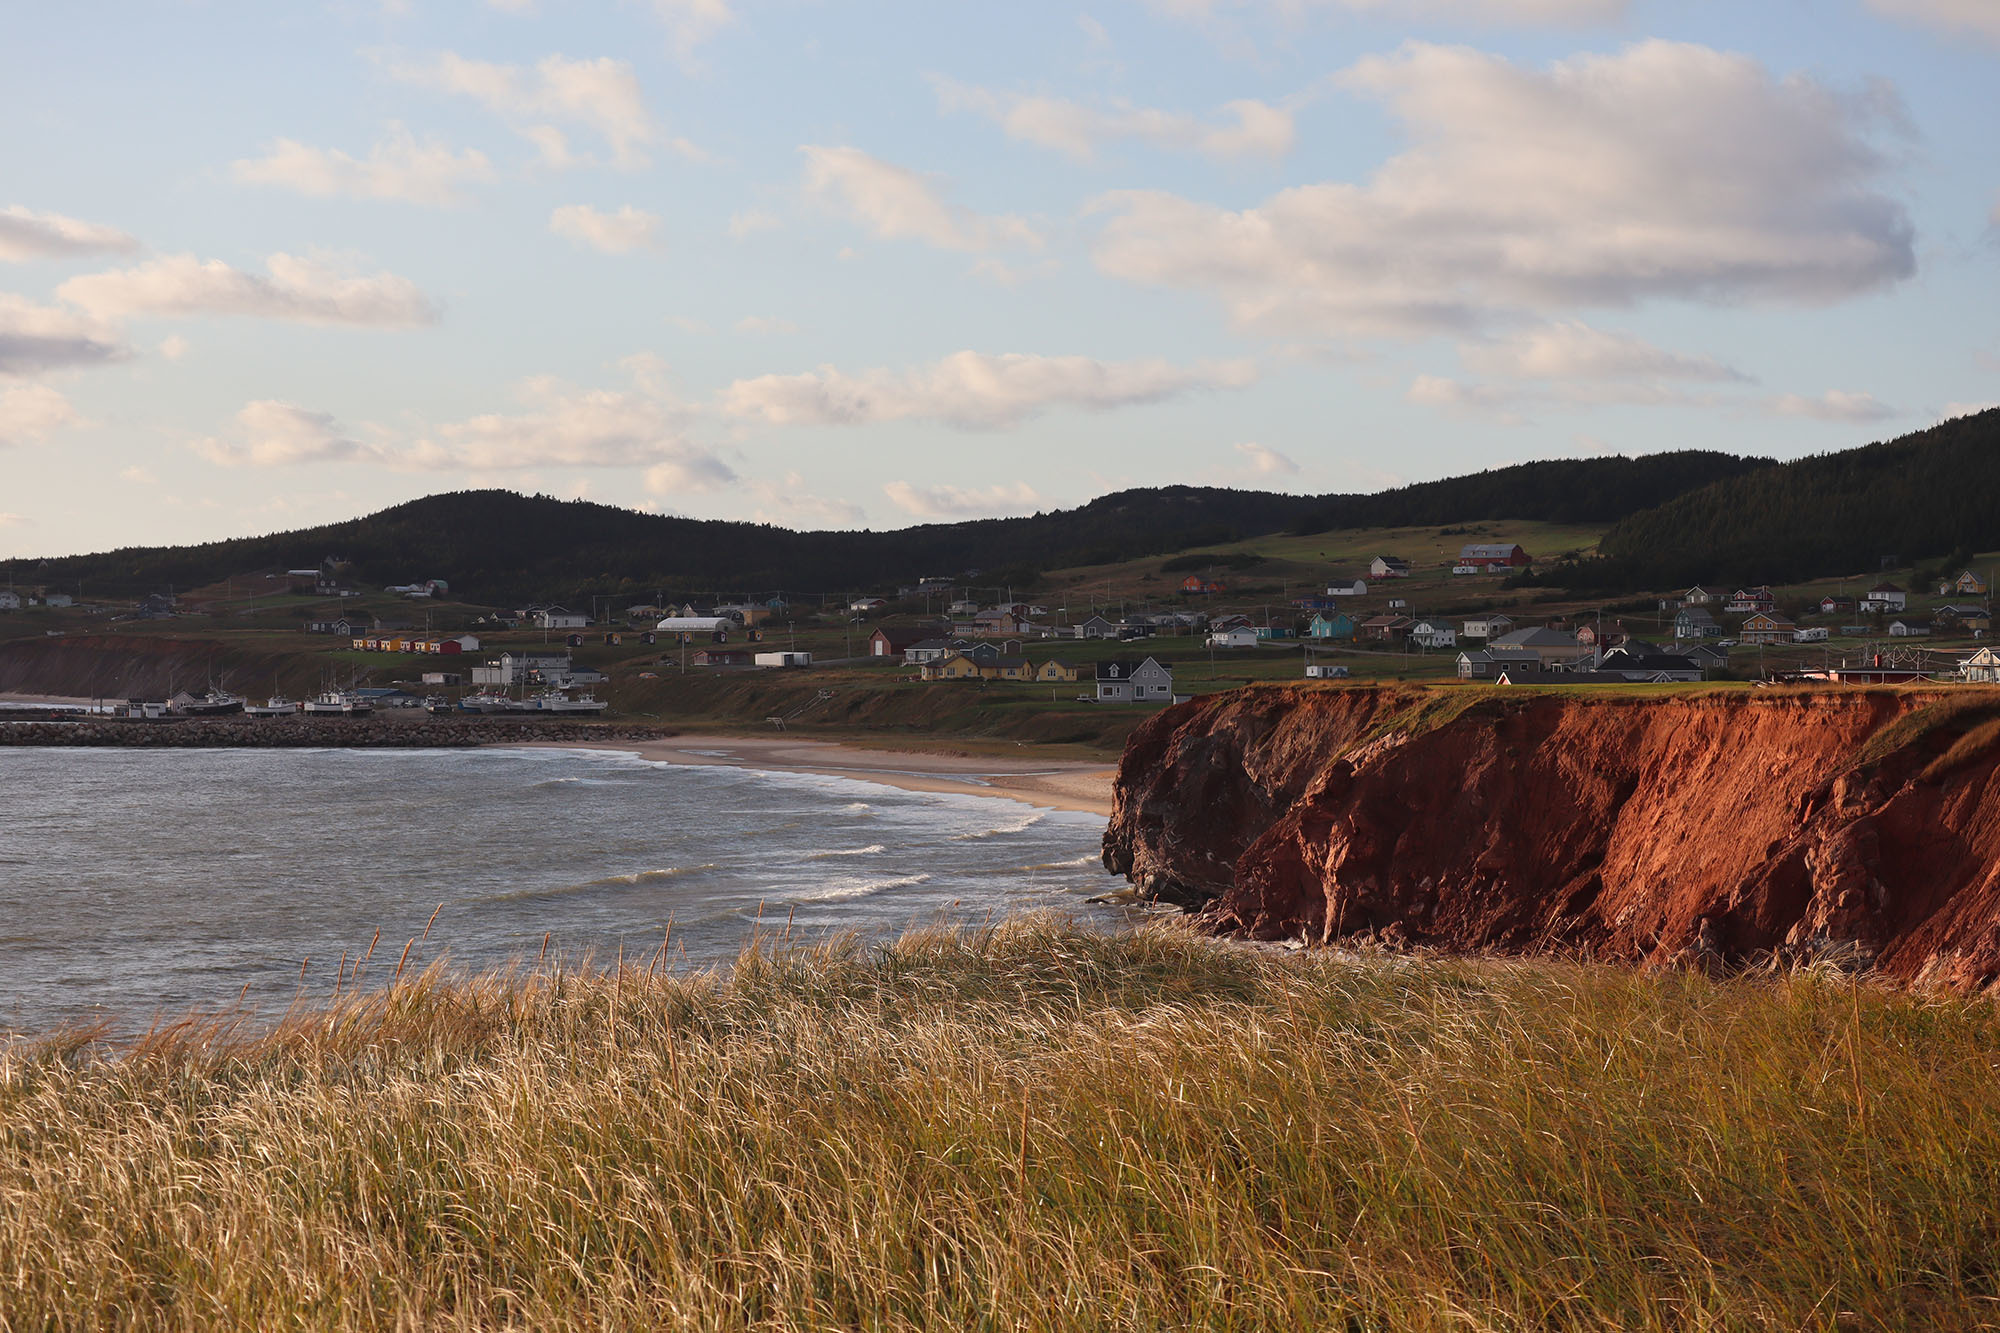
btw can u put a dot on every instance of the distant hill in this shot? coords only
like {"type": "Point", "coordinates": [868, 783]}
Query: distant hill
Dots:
{"type": "Point", "coordinates": [1926, 496]}
{"type": "Point", "coordinates": [498, 546]}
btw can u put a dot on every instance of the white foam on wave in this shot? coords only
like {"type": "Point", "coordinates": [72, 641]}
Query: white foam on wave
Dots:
{"type": "Point", "coordinates": [834, 893]}
{"type": "Point", "coordinates": [872, 849]}
{"type": "Point", "coordinates": [1032, 818]}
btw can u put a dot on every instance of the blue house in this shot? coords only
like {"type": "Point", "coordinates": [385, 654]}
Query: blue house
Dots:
{"type": "Point", "coordinates": [1331, 625]}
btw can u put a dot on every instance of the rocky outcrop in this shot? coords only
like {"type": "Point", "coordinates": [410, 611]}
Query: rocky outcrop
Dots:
{"type": "Point", "coordinates": [1711, 828]}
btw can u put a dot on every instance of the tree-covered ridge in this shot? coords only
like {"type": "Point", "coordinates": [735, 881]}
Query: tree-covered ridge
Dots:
{"type": "Point", "coordinates": [1564, 490]}
{"type": "Point", "coordinates": [498, 546]}
{"type": "Point", "coordinates": [1920, 497]}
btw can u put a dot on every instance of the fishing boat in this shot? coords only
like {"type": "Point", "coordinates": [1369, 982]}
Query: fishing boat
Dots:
{"type": "Point", "coordinates": [488, 702]}
{"type": "Point", "coordinates": [555, 701]}
{"type": "Point", "coordinates": [275, 706]}
{"type": "Point", "coordinates": [341, 703]}
{"type": "Point", "coordinates": [215, 703]}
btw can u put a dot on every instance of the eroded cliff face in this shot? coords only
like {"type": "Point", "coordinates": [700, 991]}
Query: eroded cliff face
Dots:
{"type": "Point", "coordinates": [1706, 827]}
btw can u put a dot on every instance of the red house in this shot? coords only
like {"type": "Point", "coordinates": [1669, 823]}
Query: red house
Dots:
{"type": "Point", "coordinates": [1486, 557]}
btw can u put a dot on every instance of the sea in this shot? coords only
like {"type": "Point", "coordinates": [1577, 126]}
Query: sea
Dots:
{"type": "Point", "coordinates": [138, 885]}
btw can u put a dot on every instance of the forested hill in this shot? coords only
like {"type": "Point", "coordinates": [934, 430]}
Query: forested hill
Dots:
{"type": "Point", "coordinates": [1926, 496]}
{"type": "Point", "coordinates": [497, 546]}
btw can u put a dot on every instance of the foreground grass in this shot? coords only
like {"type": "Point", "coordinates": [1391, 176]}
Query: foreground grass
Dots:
{"type": "Point", "coordinates": [1030, 1127]}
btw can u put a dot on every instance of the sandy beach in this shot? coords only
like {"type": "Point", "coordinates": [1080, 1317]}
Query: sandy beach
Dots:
{"type": "Point", "coordinates": [1054, 786]}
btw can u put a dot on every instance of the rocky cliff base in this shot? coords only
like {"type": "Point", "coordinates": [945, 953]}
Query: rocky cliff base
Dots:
{"type": "Point", "coordinates": [1712, 828]}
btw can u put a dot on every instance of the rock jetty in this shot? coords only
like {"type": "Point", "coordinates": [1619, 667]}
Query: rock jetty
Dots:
{"type": "Point", "coordinates": [304, 732]}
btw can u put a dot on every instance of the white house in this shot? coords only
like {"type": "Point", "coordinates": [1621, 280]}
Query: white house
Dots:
{"type": "Point", "coordinates": [1388, 567]}
{"type": "Point", "coordinates": [1358, 588]}
{"type": "Point", "coordinates": [867, 604]}
{"type": "Point", "coordinates": [1982, 668]}
{"type": "Point", "coordinates": [1489, 627]}
{"type": "Point", "coordinates": [1433, 634]}
{"type": "Point", "coordinates": [1885, 597]}
{"type": "Point", "coordinates": [1810, 634]}
{"type": "Point", "coordinates": [9, 600]}
{"type": "Point", "coordinates": [1241, 636]}
{"type": "Point", "coordinates": [1127, 681]}
{"type": "Point", "coordinates": [1909, 629]}
{"type": "Point", "coordinates": [557, 617]}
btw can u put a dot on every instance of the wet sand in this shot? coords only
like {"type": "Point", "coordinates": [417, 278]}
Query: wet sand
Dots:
{"type": "Point", "coordinates": [1062, 785]}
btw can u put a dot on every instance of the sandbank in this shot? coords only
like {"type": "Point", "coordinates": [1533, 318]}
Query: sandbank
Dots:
{"type": "Point", "coordinates": [1060, 785]}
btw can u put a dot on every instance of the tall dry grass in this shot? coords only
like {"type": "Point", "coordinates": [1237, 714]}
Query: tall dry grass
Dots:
{"type": "Point", "coordinates": [1034, 1126]}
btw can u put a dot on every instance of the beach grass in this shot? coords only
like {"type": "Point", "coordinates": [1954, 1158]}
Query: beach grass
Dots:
{"type": "Point", "coordinates": [1031, 1126]}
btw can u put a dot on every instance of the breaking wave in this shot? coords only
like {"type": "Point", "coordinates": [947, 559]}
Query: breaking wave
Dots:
{"type": "Point", "coordinates": [834, 893]}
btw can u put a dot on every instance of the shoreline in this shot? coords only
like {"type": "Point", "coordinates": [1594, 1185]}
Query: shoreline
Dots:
{"type": "Point", "coordinates": [1062, 785]}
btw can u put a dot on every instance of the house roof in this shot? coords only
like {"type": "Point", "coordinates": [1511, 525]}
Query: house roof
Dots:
{"type": "Point", "coordinates": [929, 645]}
{"type": "Point", "coordinates": [1127, 667]}
{"type": "Point", "coordinates": [1537, 637]}
{"type": "Point", "coordinates": [1885, 587]}
{"type": "Point", "coordinates": [1489, 551]}
{"type": "Point", "coordinates": [1695, 615]}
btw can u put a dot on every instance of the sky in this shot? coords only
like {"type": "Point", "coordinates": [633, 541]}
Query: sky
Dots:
{"type": "Point", "coordinates": [869, 263]}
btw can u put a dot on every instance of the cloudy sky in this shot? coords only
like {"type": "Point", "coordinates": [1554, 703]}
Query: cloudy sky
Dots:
{"type": "Point", "coordinates": [876, 262]}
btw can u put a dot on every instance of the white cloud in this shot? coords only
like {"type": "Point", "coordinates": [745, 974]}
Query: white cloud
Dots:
{"type": "Point", "coordinates": [765, 324]}
{"type": "Point", "coordinates": [897, 203]}
{"type": "Point", "coordinates": [25, 235]}
{"type": "Point", "coordinates": [751, 222]}
{"type": "Point", "coordinates": [617, 233]}
{"type": "Point", "coordinates": [138, 476]}
{"type": "Point", "coordinates": [35, 339]}
{"type": "Point", "coordinates": [30, 411]}
{"type": "Point", "coordinates": [1266, 461]}
{"type": "Point", "coordinates": [691, 22]}
{"type": "Point", "coordinates": [1495, 13]}
{"type": "Point", "coordinates": [971, 390]}
{"type": "Point", "coordinates": [173, 347]}
{"type": "Point", "coordinates": [600, 95]}
{"type": "Point", "coordinates": [302, 289]}
{"type": "Point", "coordinates": [1978, 17]}
{"type": "Point", "coordinates": [1833, 405]}
{"type": "Point", "coordinates": [1666, 170]}
{"type": "Point", "coordinates": [951, 502]}
{"type": "Point", "coordinates": [1247, 128]}
{"type": "Point", "coordinates": [1573, 351]}
{"type": "Point", "coordinates": [275, 434]}
{"type": "Point", "coordinates": [399, 166]}
{"type": "Point", "coordinates": [1954, 410]}
{"type": "Point", "coordinates": [1459, 396]}
{"type": "Point", "coordinates": [795, 500]}
{"type": "Point", "coordinates": [567, 426]}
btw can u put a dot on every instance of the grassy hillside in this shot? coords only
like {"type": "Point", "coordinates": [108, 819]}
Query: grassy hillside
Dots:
{"type": "Point", "coordinates": [496, 546]}
{"type": "Point", "coordinates": [1038, 1126]}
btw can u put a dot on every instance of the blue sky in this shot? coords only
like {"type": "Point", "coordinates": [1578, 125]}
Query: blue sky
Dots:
{"type": "Point", "coordinates": [847, 264]}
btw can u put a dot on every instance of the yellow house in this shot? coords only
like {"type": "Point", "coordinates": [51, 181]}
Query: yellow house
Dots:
{"type": "Point", "coordinates": [957, 666]}
{"type": "Point", "coordinates": [952, 666]}
{"type": "Point", "coordinates": [361, 644]}
{"type": "Point", "coordinates": [1969, 584]}
{"type": "Point", "coordinates": [1056, 671]}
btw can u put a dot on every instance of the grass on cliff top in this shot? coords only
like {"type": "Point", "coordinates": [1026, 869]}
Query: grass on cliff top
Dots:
{"type": "Point", "coordinates": [1036, 1126]}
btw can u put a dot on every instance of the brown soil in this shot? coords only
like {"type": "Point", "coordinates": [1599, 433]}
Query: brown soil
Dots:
{"type": "Point", "coordinates": [1713, 828]}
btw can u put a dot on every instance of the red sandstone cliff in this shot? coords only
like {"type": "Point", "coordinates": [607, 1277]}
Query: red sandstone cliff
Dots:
{"type": "Point", "coordinates": [1712, 826]}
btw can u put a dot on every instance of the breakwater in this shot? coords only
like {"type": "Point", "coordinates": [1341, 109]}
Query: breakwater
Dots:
{"type": "Point", "coordinates": [319, 733]}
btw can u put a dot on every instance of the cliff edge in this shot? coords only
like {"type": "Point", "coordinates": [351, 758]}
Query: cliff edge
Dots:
{"type": "Point", "coordinates": [1707, 827]}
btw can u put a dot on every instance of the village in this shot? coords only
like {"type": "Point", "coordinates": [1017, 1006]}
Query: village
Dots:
{"type": "Point", "coordinates": [1108, 638]}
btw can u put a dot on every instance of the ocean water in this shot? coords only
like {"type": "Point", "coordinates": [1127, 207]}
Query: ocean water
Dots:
{"type": "Point", "coordinates": [137, 884]}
